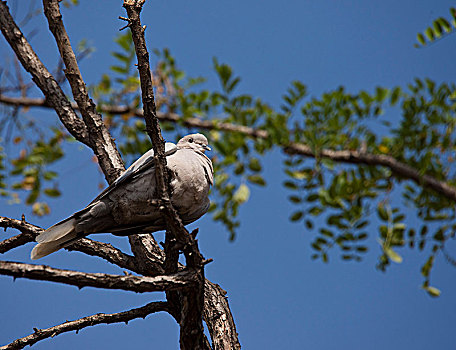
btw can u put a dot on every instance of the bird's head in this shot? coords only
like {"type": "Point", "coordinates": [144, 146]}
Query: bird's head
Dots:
{"type": "Point", "coordinates": [197, 142]}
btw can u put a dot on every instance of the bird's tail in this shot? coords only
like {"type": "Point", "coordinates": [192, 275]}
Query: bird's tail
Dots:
{"type": "Point", "coordinates": [54, 238]}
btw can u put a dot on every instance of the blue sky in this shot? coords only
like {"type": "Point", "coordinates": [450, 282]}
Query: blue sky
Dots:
{"type": "Point", "coordinates": [279, 297]}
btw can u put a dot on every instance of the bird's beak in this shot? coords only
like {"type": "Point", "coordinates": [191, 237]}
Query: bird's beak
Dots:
{"type": "Point", "coordinates": [207, 148]}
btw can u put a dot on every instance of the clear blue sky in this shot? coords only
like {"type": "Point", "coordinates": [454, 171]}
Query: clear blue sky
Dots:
{"type": "Point", "coordinates": [279, 297]}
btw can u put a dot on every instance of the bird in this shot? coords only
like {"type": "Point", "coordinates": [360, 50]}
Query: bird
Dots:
{"type": "Point", "coordinates": [128, 205]}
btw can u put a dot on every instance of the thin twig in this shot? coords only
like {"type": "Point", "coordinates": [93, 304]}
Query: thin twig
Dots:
{"type": "Point", "coordinates": [77, 325]}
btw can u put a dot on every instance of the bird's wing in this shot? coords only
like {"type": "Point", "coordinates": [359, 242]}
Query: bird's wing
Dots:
{"type": "Point", "coordinates": [139, 166]}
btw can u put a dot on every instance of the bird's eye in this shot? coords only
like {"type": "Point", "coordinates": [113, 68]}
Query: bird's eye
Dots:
{"type": "Point", "coordinates": [190, 140]}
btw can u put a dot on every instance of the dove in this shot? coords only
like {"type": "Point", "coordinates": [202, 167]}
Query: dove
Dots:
{"type": "Point", "coordinates": [128, 205]}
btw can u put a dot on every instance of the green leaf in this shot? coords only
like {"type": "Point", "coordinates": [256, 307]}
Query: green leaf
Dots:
{"type": "Point", "coordinates": [382, 213]}
{"type": "Point", "coordinates": [49, 175]}
{"type": "Point", "coordinates": [445, 24]}
{"type": "Point", "coordinates": [429, 34]}
{"type": "Point", "coordinates": [118, 69]}
{"type": "Point", "coordinates": [291, 185]}
{"type": "Point", "coordinates": [257, 179]}
{"type": "Point", "coordinates": [295, 199]}
{"type": "Point", "coordinates": [432, 291]}
{"type": "Point", "coordinates": [309, 224]}
{"type": "Point", "coordinates": [242, 194]}
{"type": "Point", "coordinates": [254, 164]}
{"type": "Point", "coordinates": [361, 236]}
{"type": "Point", "coordinates": [312, 197]}
{"type": "Point", "coordinates": [52, 192]}
{"type": "Point", "coordinates": [420, 38]}
{"type": "Point", "coordinates": [296, 216]}
{"type": "Point", "coordinates": [381, 93]}
{"type": "Point", "coordinates": [395, 95]}
{"type": "Point", "coordinates": [121, 57]}
{"type": "Point", "coordinates": [393, 255]}
{"type": "Point", "coordinates": [326, 232]}
{"type": "Point", "coordinates": [437, 28]}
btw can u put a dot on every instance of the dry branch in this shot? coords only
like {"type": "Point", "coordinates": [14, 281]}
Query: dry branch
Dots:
{"type": "Point", "coordinates": [105, 251]}
{"type": "Point", "coordinates": [55, 97]}
{"type": "Point", "coordinates": [90, 247]}
{"type": "Point", "coordinates": [216, 310]}
{"type": "Point", "coordinates": [77, 325]}
{"type": "Point", "coordinates": [182, 279]}
{"type": "Point", "coordinates": [100, 139]}
{"type": "Point", "coordinates": [191, 302]}
{"type": "Point", "coordinates": [219, 320]}
{"type": "Point", "coordinates": [29, 232]}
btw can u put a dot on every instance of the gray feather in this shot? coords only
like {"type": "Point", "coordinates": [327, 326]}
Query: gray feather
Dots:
{"type": "Point", "coordinates": [127, 205]}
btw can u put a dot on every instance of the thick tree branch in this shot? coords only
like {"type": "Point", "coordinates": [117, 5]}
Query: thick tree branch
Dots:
{"type": "Point", "coordinates": [149, 256]}
{"type": "Point", "coordinates": [105, 251]}
{"type": "Point", "coordinates": [90, 247]}
{"type": "Point", "coordinates": [29, 232]}
{"type": "Point", "coordinates": [216, 310]}
{"type": "Point", "coordinates": [191, 302]}
{"type": "Point", "coordinates": [77, 325]}
{"type": "Point", "coordinates": [100, 139]}
{"type": "Point", "coordinates": [182, 279]}
{"type": "Point", "coordinates": [346, 156]}
{"type": "Point", "coordinates": [55, 97]}
{"type": "Point", "coordinates": [219, 319]}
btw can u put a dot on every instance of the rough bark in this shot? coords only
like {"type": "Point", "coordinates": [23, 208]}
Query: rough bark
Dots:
{"type": "Point", "coordinates": [100, 139]}
{"type": "Point", "coordinates": [191, 302]}
{"type": "Point", "coordinates": [218, 318]}
{"type": "Point", "coordinates": [183, 279]}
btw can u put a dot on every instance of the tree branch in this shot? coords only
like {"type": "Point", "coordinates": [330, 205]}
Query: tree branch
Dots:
{"type": "Point", "coordinates": [100, 139]}
{"type": "Point", "coordinates": [55, 97]}
{"type": "Point", "coordinates": [90, 247]}
{"type": "Point", "coordinates": [77, 325]}
{"type": "Point", "coordinates": [398, 168]}
{"type": "Point", "coordinates": [216, 312]}
{"type": "Point", "coordinates": [105, 251]}
{"type": "Point", "coordinates": [346, 156]}
{"type": "Point", "coordinates": [29, 232]}
{"type": "Point", "coordinates": [80, 126]}
{"type": "Point", "coordinates": [219, 319]}
{"type": "Point", "coordinates": [182, 279]}
{"type": "Point", "coordinates": [149, 257]}
{"type": "Point", "coordinates": [191, 301]}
